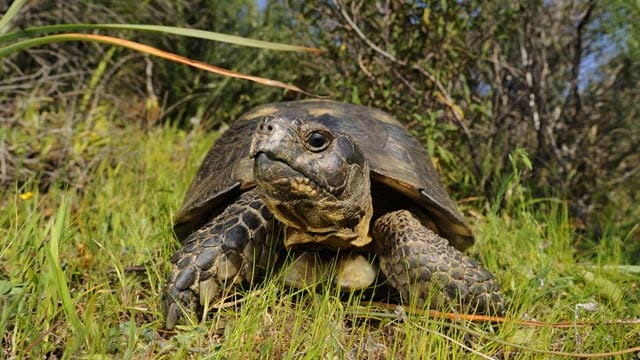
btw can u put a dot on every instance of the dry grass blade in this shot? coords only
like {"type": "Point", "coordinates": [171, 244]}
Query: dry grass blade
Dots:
{"type": "Point", "coordinates": [481, 318]}
{"type": "Point", "coordinates": [579, 355]}
{"type": "Point", "coordinates": [145, 49]}
{"type": "Point", "coordinates": [501, 320]}
{"type": "Point", "coordinates": [476, 318]}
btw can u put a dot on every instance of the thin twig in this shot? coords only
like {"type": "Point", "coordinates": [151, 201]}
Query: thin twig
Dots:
{"type": "Point", "coordinates": [577, 58]}
{"type": "Point", "coordinates": [225, 303]}
{"type": "Point", "coordinates": [395, 315]}
{"type": "Point", "coordinates": [501, 320]}
{"type": "Point", "coordinates": [361, 34]}
{"type": "Point", "coordinates": [42, 335]}
{"type": "Point", "coordinates": [446, 98]}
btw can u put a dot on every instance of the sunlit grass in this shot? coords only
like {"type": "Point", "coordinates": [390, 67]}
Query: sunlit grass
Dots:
{"type": "Point", "coordinates": [82, 271]}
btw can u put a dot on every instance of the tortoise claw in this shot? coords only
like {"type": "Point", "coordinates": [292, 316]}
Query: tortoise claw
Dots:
{"type": "Point", "coordinates": [173, 314]}
{"type": "Point", "coordinates": [179, 299]}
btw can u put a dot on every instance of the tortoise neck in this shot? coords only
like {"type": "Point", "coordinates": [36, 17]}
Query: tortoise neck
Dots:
{"type": "Point", "coordinates": [336, 223]}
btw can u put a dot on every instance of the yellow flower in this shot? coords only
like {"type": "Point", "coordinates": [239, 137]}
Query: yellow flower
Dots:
{"type": "Point", "coordinates": [26, 196]}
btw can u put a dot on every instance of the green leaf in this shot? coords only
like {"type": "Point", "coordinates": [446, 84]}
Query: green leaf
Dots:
{"type": "Point", "coordinates": [5, 287]}
{"type": "Point", "coordinates": [195, 33]}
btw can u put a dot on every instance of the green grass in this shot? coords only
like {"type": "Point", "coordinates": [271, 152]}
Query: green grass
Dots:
{"type": "Point", "coordinates": [81, 272]}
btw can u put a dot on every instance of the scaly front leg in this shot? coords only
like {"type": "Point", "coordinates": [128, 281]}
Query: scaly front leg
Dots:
{"type": "Point", "coordinates": [231, 249]}
{"type": "Point", "coordinates": [423, 267]}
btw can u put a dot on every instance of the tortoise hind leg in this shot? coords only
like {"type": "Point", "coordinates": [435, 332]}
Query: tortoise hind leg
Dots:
{"type": "Point", "coordinates": [231, 249]}
{"type": "Point", "coordinates": [423, 267]}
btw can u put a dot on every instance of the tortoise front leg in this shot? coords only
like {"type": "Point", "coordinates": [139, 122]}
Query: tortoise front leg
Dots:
{"type": "Point", "coordinates": [423, 267]}
{"type": "Point", "coordinates": [231, 249]}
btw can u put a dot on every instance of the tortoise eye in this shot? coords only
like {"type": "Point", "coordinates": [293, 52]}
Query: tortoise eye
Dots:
{"type": "Point", "coordinates": [318, 141]}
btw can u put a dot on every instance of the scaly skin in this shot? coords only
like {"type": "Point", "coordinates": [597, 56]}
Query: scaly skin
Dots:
{"type": "Point", "coordinates": [423, 267]}
{"type": "Point", "coordinates": [231, 249]}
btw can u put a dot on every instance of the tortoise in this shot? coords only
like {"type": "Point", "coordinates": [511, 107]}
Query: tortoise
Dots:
{"type": "Point", "coordinates": [323, 181]}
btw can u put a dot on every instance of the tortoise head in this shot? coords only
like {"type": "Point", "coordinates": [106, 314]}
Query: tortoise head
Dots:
{"type": "Point", "coordinates": [314, 180]}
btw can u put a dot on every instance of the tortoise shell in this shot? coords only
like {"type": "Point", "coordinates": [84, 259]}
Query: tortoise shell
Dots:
{"type": "Point", "coordinates": [397, 161]}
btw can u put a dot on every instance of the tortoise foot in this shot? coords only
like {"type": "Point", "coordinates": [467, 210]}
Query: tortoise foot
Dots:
{"type": "Point", "coordinates": [230, 250]}
{"type": "Point", "coordinates": [425, 269]}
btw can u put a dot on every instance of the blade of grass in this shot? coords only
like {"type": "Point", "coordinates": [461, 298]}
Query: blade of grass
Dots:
{"type": "Point", "coordinates": [195, 33]}
{"type": "Point", "coordinates": [605, 288]}
{"type": "Point", "coordinates": [55, 270]}
{"type": "Point", "coordinates": [13, 10]}
{"type": "Point", "coordinates": [44, 40]}
{"type": "Point", "coordinates": [630, 269]}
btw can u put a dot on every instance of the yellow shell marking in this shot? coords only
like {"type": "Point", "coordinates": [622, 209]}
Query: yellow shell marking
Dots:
{"type": "Point", "coordinates": [259, 112]}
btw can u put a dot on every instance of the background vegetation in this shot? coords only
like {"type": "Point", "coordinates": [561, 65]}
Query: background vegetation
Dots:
{"type": "Point", "coordinates": [481, 83]}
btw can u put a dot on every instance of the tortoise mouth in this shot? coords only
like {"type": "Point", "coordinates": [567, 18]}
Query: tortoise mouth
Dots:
{"type": "Point", "coordinates": [283, 181]}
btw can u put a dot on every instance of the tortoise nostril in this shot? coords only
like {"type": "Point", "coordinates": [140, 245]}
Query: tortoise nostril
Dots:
{"type": "Point", "coordinates": [265, 127]}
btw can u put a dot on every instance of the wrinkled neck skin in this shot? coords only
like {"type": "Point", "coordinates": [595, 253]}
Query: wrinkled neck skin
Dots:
{"type": "Point", "coordinates": [344, 222]}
